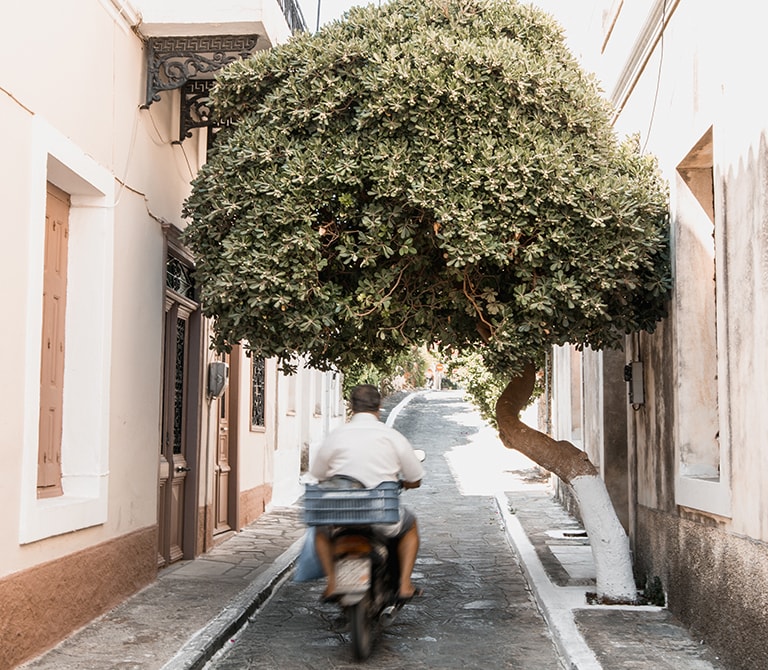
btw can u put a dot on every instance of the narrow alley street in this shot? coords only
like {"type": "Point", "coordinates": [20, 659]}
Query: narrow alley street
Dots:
{"type": "Point", "coordinates": [477, 611]}
{"type": "Point", "coordinates": [504, 567]}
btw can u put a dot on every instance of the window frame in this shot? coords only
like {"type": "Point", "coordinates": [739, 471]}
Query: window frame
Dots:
{"type": "Point", "coordinates": [88, 332]}
{"type": "Point", "coordinates": [702, 464]}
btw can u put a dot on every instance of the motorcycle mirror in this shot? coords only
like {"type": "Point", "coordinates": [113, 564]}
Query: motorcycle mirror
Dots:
{"type": "Point", "coordinates": [420, 454]}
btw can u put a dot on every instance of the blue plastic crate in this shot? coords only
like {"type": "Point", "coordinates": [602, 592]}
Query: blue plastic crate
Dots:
{"type": "Point", "coordinates": [351, 507]}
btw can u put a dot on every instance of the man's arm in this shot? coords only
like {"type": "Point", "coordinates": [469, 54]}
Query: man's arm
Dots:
{"type": "Point", "coordinates": [411, 469]}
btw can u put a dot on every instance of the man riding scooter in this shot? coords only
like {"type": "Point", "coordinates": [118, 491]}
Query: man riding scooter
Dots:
{"type": "Point", "coordinates": [370, 452]}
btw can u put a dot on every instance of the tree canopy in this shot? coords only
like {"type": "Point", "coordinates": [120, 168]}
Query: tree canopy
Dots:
{"type": "Point", "coordinates": [424, 171]}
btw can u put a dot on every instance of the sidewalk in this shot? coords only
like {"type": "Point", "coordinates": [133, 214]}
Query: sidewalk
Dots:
{"type": "Point", "coordinates": [193, 608]}
{"type": "Point", "coordinates": [556, 557]}
{"type": "Point", "coordinates": [182, 619]}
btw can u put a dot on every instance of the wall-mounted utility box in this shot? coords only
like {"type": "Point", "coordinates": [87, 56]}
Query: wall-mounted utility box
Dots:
{"type": "Point", "coordinates": [633, 375]}
{"type": "Point", "coordinates": [218, 374]}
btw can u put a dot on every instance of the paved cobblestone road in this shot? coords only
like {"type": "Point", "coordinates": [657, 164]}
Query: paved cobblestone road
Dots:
{"type": "Point", "coordinates": [477, 611]}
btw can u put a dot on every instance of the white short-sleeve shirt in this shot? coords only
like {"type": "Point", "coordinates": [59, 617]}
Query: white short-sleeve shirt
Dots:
{"type": "Point", "coordinates": [369, 451]}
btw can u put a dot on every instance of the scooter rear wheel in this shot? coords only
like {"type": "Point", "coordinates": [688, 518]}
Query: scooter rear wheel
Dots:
{"type": "Point", "coordinates": [360, 629]}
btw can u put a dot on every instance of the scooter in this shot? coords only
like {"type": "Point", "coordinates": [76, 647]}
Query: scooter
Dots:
{"type": "Point", "coordinates": [366, 566]}
{"type": "Point", "coordinates": [367, 581]}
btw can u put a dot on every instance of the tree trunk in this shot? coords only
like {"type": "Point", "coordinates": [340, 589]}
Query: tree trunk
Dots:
{"type": "Point", "coordinates": [609, 542]}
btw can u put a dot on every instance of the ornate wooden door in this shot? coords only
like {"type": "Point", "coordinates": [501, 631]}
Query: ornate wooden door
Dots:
{"type": "Point", "coordinates": [179, 437]}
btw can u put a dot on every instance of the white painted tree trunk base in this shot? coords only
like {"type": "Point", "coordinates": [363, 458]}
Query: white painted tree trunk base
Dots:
{"type": "Point", "coordinates": [609, 542]}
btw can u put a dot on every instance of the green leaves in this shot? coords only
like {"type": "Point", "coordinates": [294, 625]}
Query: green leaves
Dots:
{"type": "Point", "coordinates": [414, 171]}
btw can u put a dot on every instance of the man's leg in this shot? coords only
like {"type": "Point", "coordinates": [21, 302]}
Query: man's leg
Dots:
{"type": "Point", "coordinates": [325, 555]}
{"type": "Point", "coordinates": [407, 548]}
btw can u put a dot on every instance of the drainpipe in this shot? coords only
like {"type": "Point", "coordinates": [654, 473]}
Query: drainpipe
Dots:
{"type": "Point", "coordinates": [327, 403]}
{"type": "Point", "coordinates": [127, 12]}
{"type": "Point", "coordinates": [207, 471]}
{"type": "Point", "coordinates": [633, 350]}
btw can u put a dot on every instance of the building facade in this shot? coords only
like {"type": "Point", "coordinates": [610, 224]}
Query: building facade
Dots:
{"type": "Point", "coordinates": [127, 443]}
{"type": "Point", "coordinates": [676, 421]}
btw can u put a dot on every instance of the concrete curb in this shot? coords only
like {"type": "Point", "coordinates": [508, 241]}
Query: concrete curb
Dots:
{"type": "Point", "coordinates": [390, 421]}
{"type": "Point", "coordinates": [204, 644]}
{"type": "Point", "coordinates": [556, 603]}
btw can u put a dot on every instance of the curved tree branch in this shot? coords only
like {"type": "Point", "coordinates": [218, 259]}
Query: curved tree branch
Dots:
{"type": "Point", "coordinates": [610, 545]}
{"type": "Point", "coordinates": [389, 294]}
{"type": "Point", "coordinates": [468, 293]}
{"type": "Point", "coordinates": [558, 456]}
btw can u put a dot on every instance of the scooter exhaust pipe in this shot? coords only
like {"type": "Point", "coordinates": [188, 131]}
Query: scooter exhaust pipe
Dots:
{"type": "Point", "coordinates": [387, 615]}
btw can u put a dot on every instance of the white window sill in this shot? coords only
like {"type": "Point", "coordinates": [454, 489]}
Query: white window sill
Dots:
{"type": "Point", "coordinates": [47, 517]}
{"type": "Point", "coordinates": [704, 494]}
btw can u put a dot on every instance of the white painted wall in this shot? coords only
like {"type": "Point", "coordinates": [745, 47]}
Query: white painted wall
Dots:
{"type": "Point", "coordinates": [85, 134]}
{"type": "Point", "coordinates": [300, 426]}
{"type": "Point", "coordinates": [73, 116]}
{"type": "Point", "coordinates": [256, 444]}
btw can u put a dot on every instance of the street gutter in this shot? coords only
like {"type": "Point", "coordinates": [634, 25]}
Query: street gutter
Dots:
{"type": "Point", "coordinates": [204, 644]}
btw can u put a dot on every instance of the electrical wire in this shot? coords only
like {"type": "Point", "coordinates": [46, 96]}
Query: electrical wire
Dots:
{"type": "Point", "coordinates": [164, 142]}
{"type": "Point", "coordinates": [658, 75]}
{"type": "Point", "coordinates": [122, 182]}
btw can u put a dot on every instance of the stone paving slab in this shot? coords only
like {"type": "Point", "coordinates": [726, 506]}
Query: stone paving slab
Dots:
{"type": "Point", "coordinates": [627, 640]}
{"type": "Point", "coordinates": [551, 530]}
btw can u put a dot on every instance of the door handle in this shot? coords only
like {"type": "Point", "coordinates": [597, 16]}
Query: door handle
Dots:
{"type": "Point", "coordinates": [181, 468]}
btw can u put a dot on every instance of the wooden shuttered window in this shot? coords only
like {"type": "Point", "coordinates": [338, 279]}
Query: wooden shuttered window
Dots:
{"type": "Point", "coordinates": [52, 344]}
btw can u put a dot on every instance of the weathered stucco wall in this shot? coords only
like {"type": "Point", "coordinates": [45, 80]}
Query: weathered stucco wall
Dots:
{"type": "Point", "coordinates": [744, 280]}
{"type": "Point", "coordinates": [605, 423]}
{"type": "Point", "coordinates": [700, 462]}
{"type": "Point", "coordinates": [652, 427]}
{"type": "Point", "coordinates": [716, 582]}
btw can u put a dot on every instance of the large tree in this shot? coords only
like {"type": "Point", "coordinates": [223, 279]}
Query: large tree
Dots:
{"type": "Point", "coordinates": [432, 171]}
